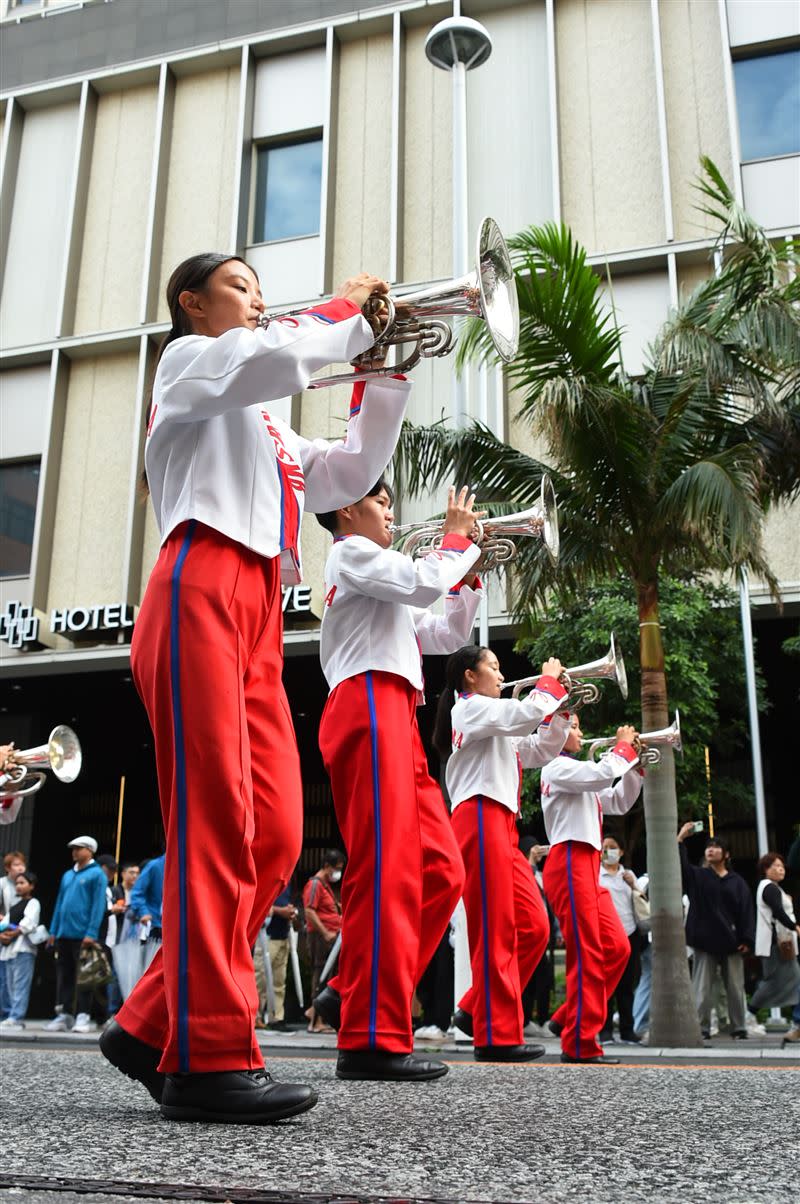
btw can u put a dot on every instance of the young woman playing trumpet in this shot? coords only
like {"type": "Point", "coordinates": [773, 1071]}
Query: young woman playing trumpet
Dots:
{"type": "Point", "coordinates": [487, 741]}
{"type": "Point", "coordinates": [229, 481]}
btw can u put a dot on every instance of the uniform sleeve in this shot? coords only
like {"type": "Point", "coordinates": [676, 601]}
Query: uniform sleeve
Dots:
{"type": "Point", "coordinates": [545, 743]}
{"type": "Point", "coordinates": [9, 808]}
{"type": "Point", "coordinates": [98, 906]}
{"type": "Point", "coordinates": [576, 777]}
{"type": "Point", "coordinates": [445, 633]}
{"type": "Point", "coordinates": [201, 377]}
{"type": "Point", "coordinates": [339, 473]}
{"type": "Point", "coordinates": [392, 577]}
{"type": "Point", "coordinates": [480, 717]}
{"type": "Point", "coordinates": [618, 799]}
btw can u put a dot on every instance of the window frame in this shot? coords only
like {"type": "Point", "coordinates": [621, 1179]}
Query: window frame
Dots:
{"type": "Point", "coordinates": [18, 462]}
{"type": "Point", "coordinates": [749, 55]}
{"type": "Point", "coordinates": [292, 138]}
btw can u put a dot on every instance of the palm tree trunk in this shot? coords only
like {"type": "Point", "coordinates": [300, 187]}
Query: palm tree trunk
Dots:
{"type": "Point", "coordinates": [673, 1015]}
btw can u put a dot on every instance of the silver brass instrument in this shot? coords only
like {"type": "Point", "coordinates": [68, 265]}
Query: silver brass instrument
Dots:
{"type": "Point", "coordinates": [61, 755]}
{"type": "Point", "coordinates": [492, 535]}
{"type": "Point", "coordinates": [581, 692]}
{"type": "Point", "coordinates": [490, 292]}
{"type": "Point", "coordinates": [648, 745]}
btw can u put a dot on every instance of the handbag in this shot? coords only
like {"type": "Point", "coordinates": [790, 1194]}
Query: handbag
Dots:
{"type": "Point", "coordinates": [786, 951]}
{"type": "Point", "coordinates": [641, 911]}
{"type": "Point", "coordinates": [94, 968]}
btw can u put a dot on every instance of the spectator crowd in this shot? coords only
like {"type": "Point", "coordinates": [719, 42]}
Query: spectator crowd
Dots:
{"type": "Point", "coordinates": [105, 929]}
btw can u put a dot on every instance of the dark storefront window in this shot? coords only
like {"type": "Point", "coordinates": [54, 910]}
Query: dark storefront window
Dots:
{"type": "Point", "coordinates": [19, 488]}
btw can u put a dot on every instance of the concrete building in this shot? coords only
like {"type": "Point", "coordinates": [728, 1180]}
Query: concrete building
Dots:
{"type": "Point", "coordinates": [136, 132]}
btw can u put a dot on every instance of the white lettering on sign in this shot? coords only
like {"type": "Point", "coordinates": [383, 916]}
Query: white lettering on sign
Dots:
{"type": "Point", "coordinates": [91, 618]}
{"type": "Point", "coordinates": [296, 599]}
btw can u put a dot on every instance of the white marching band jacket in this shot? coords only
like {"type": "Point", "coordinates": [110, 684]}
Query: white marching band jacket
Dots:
{"type": "Point", "coordinates": [577, 794]}
{"type": "Point", "coordinates": [495, 738]}
{"type": "Point", "coordinates": [214, 453]}
{"type": "Point", "coordinates": [375, 615]}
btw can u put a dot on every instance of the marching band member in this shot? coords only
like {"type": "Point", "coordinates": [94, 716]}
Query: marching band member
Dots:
{"type": "Point", "coordinates": [404, 872]}
{"type": "Point", "coordinates": [488, 741]}
{"type": "Point", "coordinates": [229, 481]}
{"type": "Point", "coordinates": [575, 797]}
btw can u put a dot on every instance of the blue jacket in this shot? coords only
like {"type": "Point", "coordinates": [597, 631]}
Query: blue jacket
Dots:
{"type": "Point", "coordinates": [81, 904]}
{"type": "Point", "coordinates": [148, 892]}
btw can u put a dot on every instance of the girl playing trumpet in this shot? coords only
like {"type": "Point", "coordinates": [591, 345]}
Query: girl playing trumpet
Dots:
{"type": "Point", "coordinates": [229, 481]}
{"type": "Point", "coordinates": [488, 741]}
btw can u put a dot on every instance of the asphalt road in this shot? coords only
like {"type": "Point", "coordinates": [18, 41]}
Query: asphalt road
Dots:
{"type": "Point", "coordinates": [541, 1133]}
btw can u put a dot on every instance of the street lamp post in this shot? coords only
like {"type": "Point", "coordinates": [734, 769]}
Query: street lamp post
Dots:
{"type": "Point", "coordinates": [458, 45]}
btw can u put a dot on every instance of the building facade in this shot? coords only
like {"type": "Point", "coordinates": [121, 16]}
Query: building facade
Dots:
{"type": "Point", "coordinates": [314, 138]}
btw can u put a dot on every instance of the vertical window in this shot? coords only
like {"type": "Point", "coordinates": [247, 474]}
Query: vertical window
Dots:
{"type": "Point", "coordinates": [768, 102]}
{"type": "Point", "coordinates": [19, 487]}
{"type": "Point", "coordinates": [288, 184]}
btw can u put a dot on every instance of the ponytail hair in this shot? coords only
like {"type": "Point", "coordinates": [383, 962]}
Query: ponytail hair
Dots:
{"type": "Point", "coordinates": [468, 657]}
{"type": "Point", "coordinates": [190, 276]}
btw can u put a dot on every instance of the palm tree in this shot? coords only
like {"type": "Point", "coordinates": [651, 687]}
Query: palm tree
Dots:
{"type": "Point", "coordinates": [670, 473]}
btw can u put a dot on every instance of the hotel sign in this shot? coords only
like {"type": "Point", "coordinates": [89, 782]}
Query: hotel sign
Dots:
{"type": "Point", "coordinates": [22, 627]}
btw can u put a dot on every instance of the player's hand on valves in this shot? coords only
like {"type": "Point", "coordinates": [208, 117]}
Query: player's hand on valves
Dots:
{"type": "Point", "coordinates": [461, 512]}
{"type": "Point", "coordinates": [552, 667]}
{"type": "Point", "coordinates": [627, 732]}
{"type": "Point", "coordinates": [358, 288]}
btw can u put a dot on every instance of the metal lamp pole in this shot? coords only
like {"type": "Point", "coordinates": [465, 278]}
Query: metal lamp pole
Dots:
{"type": "Point", "coordinates": [458, 45]}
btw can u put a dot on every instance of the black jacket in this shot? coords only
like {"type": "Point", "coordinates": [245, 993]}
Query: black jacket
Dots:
{"type": "Point", "coordinates": [721, 911]}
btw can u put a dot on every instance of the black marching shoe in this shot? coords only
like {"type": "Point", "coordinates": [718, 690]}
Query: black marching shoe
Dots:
{"type": "Point", "coordinates": [233, 1097]}
{"type": "Point", "coordinates": [555, 1028]}
{"type": "Point", "coordinates": [600, 1060]}
{"type": "Point", "coordinates": [463, 1020]}
{"type": "Point", "coordinates": [328, 1005]}
{"type": "Point", "coordinates": [507, 1053]}
{"type": "Point", "coordinates": [378, 1066]}
{"type": "Point", "coordinates": [133, 1057]}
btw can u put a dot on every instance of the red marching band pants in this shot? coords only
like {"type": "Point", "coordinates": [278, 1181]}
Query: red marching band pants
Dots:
{"type": "Point", "coordinates": [206, 657]}
{"type": "Point", "coordinates": [597, 947]}
{"type": "Point", "coordinates": [404, 873]}
{"type": "Point", "coordinates": [506, 919]}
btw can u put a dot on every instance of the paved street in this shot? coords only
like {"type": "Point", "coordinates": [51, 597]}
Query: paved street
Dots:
{"type": "Point", "coordinates": [656, 1129]}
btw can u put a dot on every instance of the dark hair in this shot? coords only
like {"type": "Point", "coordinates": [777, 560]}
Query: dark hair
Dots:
{"type": "Point", "coordinates": [107, 861]}
{"type": "Point", "coordinates": [768, 860]}
{"type": "Point", "coordinates": [14, 855]}
{"type": "Point", "coordinates": [333, 857]}
{"type": "Point", "coordinates": [29, 876]}
{"type": "Point", "coordinates": [468, 657]}
{"type": "Point", "coordinates": [191, 275]}
{"type": "Point", "coordinates": [330, 520]}
{"type": "Point", "coordinates": [129, 865]}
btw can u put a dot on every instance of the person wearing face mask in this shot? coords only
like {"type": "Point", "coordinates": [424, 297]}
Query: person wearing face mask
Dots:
{"type": "Point", "coordinates": [487, 741]}
{"type": "Point", "coordinates": [621, 884]}
{"type": "Point", "coordinates": [323, 923]}
{"type": "Point", "coordinates": [575, 797]}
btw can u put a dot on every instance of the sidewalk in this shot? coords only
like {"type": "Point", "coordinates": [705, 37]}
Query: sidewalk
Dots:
{"type": "Point", "coordinates": [302, 1042]}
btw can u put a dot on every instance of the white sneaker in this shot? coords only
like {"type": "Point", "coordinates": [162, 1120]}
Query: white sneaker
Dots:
{"type": "Point", "coordinates": [430, 1032]}
{"type": "Point", "coordinates": [11, 1026]}
{"type": "Point", "coordinates": [754, 1028]}
{"type": "Point", "coordinates": [60, 1024]}
{"type": "Point", "coordinates": [84, 1023]}
{"type": "Point", "coordinates": [532, 1029]}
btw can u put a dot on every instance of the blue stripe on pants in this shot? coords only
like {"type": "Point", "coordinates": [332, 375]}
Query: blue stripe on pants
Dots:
{"type": "Point", "coordinates": [376, 886]}
{"type": "Point", "coordinates": [578, 951]}
{"type": "Point", "coordinates": [181, 803]}
{"type": "Point", "coordinates": [485, 921]}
